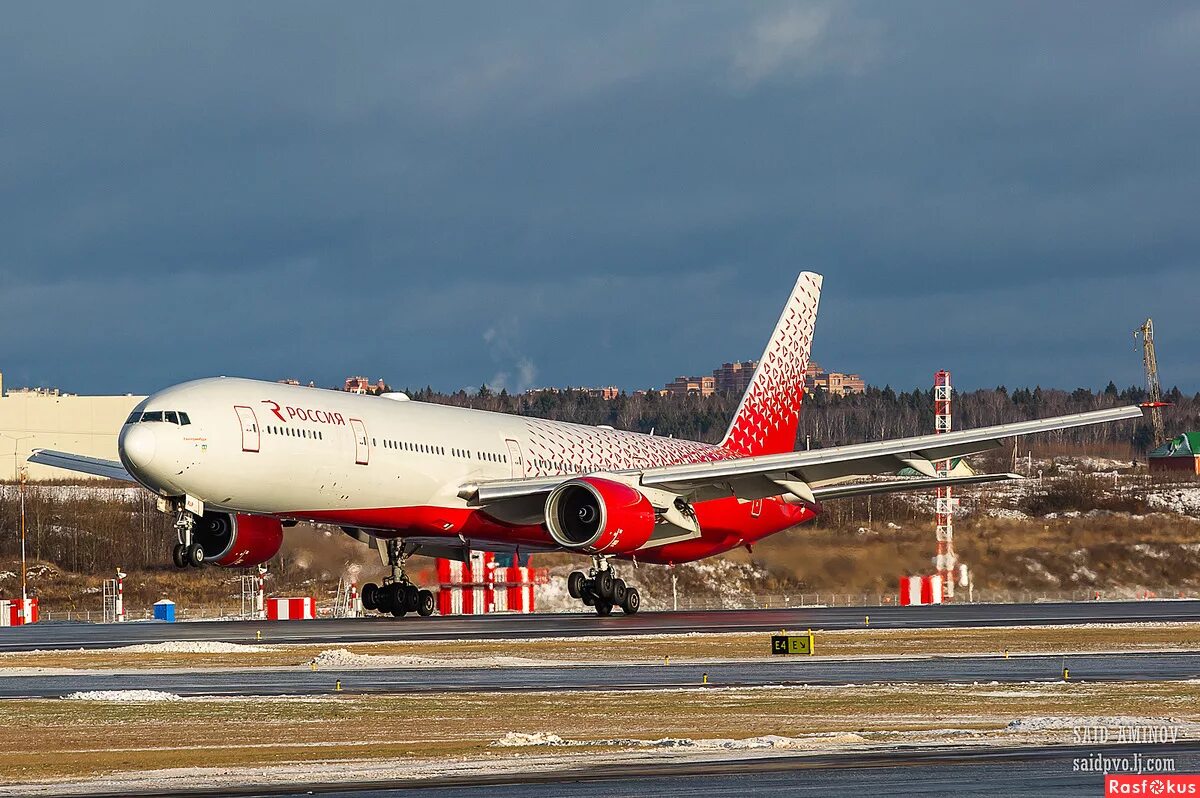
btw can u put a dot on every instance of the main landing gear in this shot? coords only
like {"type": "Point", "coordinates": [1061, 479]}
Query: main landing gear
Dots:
{"type": "Point", "coordinates": [397, 594]}
{"type": "Point", "coordinates": [186, 552]}
{"type": "Point", "coordinates": [601, 588]}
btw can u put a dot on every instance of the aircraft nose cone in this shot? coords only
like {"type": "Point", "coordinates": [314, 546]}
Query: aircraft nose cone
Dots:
{"type": "Point", "coordinates": [138, 445]}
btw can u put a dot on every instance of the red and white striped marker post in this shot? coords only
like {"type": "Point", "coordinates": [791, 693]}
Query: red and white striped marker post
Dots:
{"type": "Point", "coordinates": [119, 612]}
{"type": "Point", "coordinates": [260, 609]}
{"type": "Point", "coordinates": [355, 601]}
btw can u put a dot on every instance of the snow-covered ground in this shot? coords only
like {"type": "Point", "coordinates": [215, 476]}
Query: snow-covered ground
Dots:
{"type": "Point", "coordinates": [191, 647]}
{"type": "Point", "coordinates": [340, 658]}
{"type": "Point", "coordinates": [65, 493]}
{"type": "Point", "coordinates": [123, 696]}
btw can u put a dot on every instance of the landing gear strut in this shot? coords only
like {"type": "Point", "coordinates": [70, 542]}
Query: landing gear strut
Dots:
{"type": "Point", "coordinates": [186, 552]}
{"type": "Point", "coordinates": [397, 595]}
{"type": "Point", "coordinates": [601, 588]}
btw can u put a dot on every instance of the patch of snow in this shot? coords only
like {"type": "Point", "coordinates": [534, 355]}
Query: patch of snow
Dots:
{"type": "Point", "coordinates": [1154, 552]}
{"type": "Point", "coordinates": [341, 658]}
{"type": "Point", "coordinates": [552, 596]}
{"type": "Point", "coordinates": [192, 647]}
{"type": "Point", "coordinates": [769, 741]}
{"type": "Point", "coordinates": [1039, 724]}
{"type": "Point", "coordinates": [123, 696]}
{"type": "Point", "coordinates": [1006, 513]}
{"type": "Point", "coordinates": [1184, 500]}
{"type": "Point", "coordinates": [1038, 570]}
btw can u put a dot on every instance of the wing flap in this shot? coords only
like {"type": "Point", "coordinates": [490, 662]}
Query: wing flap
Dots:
{"type": "Point", "coordinates": [899, 485]}
{"type": "Point", "coordinates": [110, 469]}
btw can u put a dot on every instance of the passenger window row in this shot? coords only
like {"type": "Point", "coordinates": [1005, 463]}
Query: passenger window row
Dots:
{"type": "Point", "coordinates": [409, 446]}
{"type": "Point", "coordinates": [296, 432]}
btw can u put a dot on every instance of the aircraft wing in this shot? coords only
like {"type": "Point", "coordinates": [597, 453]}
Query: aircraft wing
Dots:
{"type": "Point", "coordinates": [111, 469]}
{"type": "Point", "coordinates": [803, 474]}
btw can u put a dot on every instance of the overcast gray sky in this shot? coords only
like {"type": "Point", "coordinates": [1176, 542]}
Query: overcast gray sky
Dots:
{"type": "Point", "coordinates": [595, 193]}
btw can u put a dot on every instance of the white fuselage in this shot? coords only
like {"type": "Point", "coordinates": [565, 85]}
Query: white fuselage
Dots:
{"type": "Point", "coordinates": [271, 448]}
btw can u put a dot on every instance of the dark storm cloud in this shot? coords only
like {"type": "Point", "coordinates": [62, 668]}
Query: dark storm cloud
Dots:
{"type": "Point", "coordinates": [595, 193]}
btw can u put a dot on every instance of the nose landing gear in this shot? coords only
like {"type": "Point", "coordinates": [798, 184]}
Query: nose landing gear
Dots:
{"type": "Point", "coordinates": [601, 588]}
{"type": "Point", "coordinates": [397, 595]}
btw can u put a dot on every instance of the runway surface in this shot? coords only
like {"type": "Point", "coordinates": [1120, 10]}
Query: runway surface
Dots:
{"type": "Point", "coordinates": [931, 771]}
{"type": "Point", "coordinates": [85, 635]}
{"type": "Point", "coordinates": [302, 681]}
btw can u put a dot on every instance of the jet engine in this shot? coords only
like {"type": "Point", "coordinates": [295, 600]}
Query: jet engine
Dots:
{"type": "Point", "coordinates": [238, 541]}
{"type": "Point", "coordinates": [599, 516]}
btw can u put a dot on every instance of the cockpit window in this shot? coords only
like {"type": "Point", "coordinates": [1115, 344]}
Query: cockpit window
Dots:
{"type": "Point", "coordinates": [169, 416]}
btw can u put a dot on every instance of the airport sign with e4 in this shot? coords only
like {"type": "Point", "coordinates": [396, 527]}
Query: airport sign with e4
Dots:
{"type": "Point", "coordinates": [792, 644]}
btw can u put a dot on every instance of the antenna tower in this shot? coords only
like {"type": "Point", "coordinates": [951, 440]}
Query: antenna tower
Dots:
{"type": "Point", "coordinates": [1153, 387]}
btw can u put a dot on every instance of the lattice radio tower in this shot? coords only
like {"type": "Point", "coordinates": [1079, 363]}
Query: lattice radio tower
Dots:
{"type": "Point", "coordinates": [1153, 387]}
{"type": "Point", "coordinates": [947, 561]}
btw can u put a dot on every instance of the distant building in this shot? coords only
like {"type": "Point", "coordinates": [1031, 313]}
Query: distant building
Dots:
{"type": "Point", "coordinates": [1180, 454]}
{"type": "Point", "coordinates": [735, 377]}
{"type": "Point", "coordinates": [46, 418]}
{"type": "Point", "coordinates": [834, 383]}
{"type": "Point", "coordinates": [692, 386]}
{"type": "Point", "coordinates": [607, 393]}
{"type": "Point", "coordinates": [363, 385]}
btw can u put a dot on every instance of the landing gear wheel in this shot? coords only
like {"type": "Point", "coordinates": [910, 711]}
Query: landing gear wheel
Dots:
{"type": "Point", "coordinates": [604, 608]}
{"type": "Point", "coordinates": [179, 555]}
{"type": "Point", "coordinates": [619, 591]}
{"type": "Point", "coordinates": [385, 599]}
{"type": "Point", "coordinates": [425, 604]}
{"type": "Point", "coordinates": [575, 584]}
{"type": "Point", "coordinates": [398, 610]}
{"type": "Point", "coordinates": [195, 555]}
{"type": "Point", "coordinates": [588, 595]}
{"type": "Point", "coordinates": [412, 598]}
{"type": "Point", "coordinates": [632, 602]}
{"type": "Point", "coordinates": [604, 584]}
{"type": "Point", "coordinates": [370, 596]}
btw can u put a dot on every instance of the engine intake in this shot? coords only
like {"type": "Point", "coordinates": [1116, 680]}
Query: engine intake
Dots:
{"type": "Point", "coordinates": [599, 516]}
{"type": "Point", "coordinates": [238, 541]}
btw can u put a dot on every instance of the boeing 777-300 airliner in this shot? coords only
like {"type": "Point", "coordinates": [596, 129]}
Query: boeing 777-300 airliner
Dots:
{"type": "Point", "coordinates": [236, 461]}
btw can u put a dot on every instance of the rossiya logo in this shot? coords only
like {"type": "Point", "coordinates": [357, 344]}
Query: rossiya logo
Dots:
{"type": "Point", "coordinates": [1176, 784]}
{"type": "Point", "coordinates": [303, 414]}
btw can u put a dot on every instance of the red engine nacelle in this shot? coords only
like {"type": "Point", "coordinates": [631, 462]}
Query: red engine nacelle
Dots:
{"type": "Point", "coordinates": [238, 541]}
{"type": "Point", "coordinates": [599, 516]}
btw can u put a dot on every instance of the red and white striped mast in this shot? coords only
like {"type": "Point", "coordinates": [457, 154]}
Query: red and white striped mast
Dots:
{"type": "Point", "coordinates": [947, 561]}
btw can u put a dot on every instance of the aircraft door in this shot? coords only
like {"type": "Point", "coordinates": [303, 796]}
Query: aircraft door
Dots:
{"type": "Point", "coordinates": [362, 446]}
{"type": "Point", "coordinates": [515, 460]}
{"type": "Point", "coordinates": [249, 424]}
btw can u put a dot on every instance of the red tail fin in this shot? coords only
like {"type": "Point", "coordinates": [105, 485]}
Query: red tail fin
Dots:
{"type": "Point", "coordinates": [769, 415]}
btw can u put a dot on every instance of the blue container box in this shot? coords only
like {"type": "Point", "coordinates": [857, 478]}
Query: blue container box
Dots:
{"type": "Point", "coordinates": [164, 611]}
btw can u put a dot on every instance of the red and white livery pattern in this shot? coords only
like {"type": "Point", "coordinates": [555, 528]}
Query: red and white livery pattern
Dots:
{"type": "Point", "coordinates": [768, 417]}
